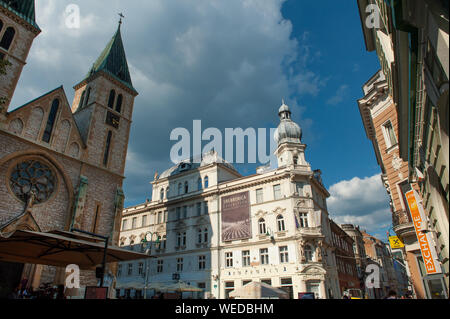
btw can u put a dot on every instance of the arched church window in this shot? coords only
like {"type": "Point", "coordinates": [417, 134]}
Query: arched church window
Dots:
{"type": "Point", "coordinates": [51, 121]}
{"type": "Point", "coordinates": [32, 179]}
{"type": "Point", "coordinates": [119, 103]}
{"type": "Point", "coordinates": [7, 39]}
{"type": "Point", "coordinates": [107, 147]}
{"type": "Point", "coordinates": [112, 97]}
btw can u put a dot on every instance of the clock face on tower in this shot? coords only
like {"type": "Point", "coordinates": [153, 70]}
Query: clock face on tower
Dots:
{"type": "Point", "coordinates": [112, 120]}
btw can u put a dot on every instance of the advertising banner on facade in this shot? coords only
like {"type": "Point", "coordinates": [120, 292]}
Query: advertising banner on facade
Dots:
{"type": "Point", "coordinates": [425, 241]}
{"type": "Point", "coordinates": [236, 217]}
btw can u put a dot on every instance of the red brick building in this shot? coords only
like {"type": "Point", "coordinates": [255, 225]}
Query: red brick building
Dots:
{"type": "Point", "coordinates": [62, 162]}
{"type": "Point", "coordinates": [345, 258]}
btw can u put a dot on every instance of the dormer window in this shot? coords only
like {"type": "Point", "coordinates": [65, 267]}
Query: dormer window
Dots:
{"type": "Point", "coordinates": [87, 97]}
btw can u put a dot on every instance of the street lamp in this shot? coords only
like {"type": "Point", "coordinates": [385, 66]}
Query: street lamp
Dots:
{"type": "Point", "coordinates": [148, 251]}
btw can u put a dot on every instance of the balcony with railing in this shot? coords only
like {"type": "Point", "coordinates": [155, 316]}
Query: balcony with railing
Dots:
{"type": "Point", "coordinates": [402, 223]}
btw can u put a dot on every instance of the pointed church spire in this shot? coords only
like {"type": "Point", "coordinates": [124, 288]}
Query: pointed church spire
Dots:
{"type": "Point", "coordinates": [113, 60]}
{"type": "Point", "coordinates": [23, 8]}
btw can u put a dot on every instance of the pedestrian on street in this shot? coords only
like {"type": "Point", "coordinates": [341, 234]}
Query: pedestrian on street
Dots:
{"type": "Point", "coordinates": [392, 295]}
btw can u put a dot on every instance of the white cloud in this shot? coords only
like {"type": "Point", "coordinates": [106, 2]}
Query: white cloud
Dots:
{"type": "Point", "coordinates": [361, 201]}
{"type": "Point", "coordinates": [340, 95]}
{"type": "Point", "coordinates": [223, 62]}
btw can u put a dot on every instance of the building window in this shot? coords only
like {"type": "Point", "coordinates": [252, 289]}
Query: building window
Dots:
{"type": "Point", "coordinates": [180, 188]}
{"type": "Point", "coordinates": [286, 285]}
{"type": "Point", "coordinates": [119, 103]}
{"type": "Point", "coordinates": [280, 223]}
{"type": "Point", "coordinates": [299, 186]}
{"type": "Point", "coordinates": [141, 269]}
{"type": "Point", "coordinates": [167, 192]}
{"type": "Point", "coordinates": [164, 242]}
{"type": "Point", "coordinates": [80, 105]}
{"type": "Point", "coordinates": [8, 38]}
{"type": "Point", "coordinates": [308, 253]}
{"type": "Point", "coordinates": [206, 181]}
{"type": "Point", "coordinates": [134, 223]}
{"type": "Point", "coordinates": [184, 212]}
{"type": "Point", "coordinates": [178, 209]}
{"type": "Point", "coordinates": [186, 187]}
{"type": "Point", "coordinates": [130, 269]}
{"type": "Point", "coordinates": [178, 239]}
{"type": "Point", "coordinates": [160, 217]}
{"type": "Point", "coordinates": [389, 135]}
{"type": "Point", "coordinates": [284, 255]}
{"type": "Point", "coordinates": [205, 235]}
{"type": "Point", "coordinates": [124, 224]}
{"type": "Point", "coordinates": [86, 102]}
{"type": "Point", "coordinates": [200, 237]}
{"type": "Point", "coordinates": [246, 258]}
{"type": "Point", "coordinates": [107, 147]}
{"type": "Point", "coordinates": [112, 97]}
{"type": "Point", "coordinates": [277, 192]}
{"type": "Point", "coordinates": [205, 208]}
{"type": "Point", "coordinates": [201, 262]}
{"type": "Point", "coordinates": [160, 266]}
{"type": "Point", "coordinates": [179, 264]}
{"type": "Point", "coordinates": [229, 259]}
{"type": "Point", "coordinates": [303, 220]}
{"type": "Point", "coordinates": [267, 281]}
{"type": "Point", "coordinates": [264, 256]}
{"type": "Point", "coordinates": [119, 270]}
{"type": "Point", "coordinates": [199, 209]}
{"type": "Point", "coordinates": [229, 287]}
{"type": "Point", "coordinates": [161, 195]}
{"type": "Point", "coordinates": [183, 239]}
{"type": "Point", "coordinates": [51, 121]}
{"type": "Point", "coordinates": [199, 184]}
{"type": "Point", "coordinates": [262, 226]}
{"type": "Point", "coordinates": [259, 196]}
{"type": "Point", "coordinates": [144, 220]}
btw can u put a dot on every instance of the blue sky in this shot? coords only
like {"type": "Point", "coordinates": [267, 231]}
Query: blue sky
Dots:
{"type": "Point", "coordinates": [229, 64]}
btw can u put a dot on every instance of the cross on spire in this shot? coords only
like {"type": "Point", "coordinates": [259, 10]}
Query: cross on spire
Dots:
{"type": "Point", "coordinates": [121, 17]}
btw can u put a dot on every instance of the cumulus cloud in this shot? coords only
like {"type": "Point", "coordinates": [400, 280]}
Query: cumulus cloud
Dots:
{"type": "Point", "coordinates": [361, 201]}
{"type": "Point", "coordinates": [227, 63]}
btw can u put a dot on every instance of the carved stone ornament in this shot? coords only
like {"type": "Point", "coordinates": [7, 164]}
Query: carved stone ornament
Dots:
{"type": "Point", "coordinates": [396, 163]}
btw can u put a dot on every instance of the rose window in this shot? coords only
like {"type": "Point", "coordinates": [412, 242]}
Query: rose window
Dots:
{"type": "Point", "coordinates": [32, 178]}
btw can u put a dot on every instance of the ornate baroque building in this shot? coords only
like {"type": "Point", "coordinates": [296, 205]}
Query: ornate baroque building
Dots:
{"type": "Point", "coordinates": [61, 163]}
{"type": "Point", "coordinates": [212, 228]}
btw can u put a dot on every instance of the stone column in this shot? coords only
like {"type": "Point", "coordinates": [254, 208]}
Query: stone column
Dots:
{"type": "Point", "coordinates": [323, 289]}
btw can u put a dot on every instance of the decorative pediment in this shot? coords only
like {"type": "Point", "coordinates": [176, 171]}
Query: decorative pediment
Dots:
{"type": "Point", "coordinates": [161, 229]}
{"type": "Point", "coordinates": [301, 203]}
{"type": "Point", "coordinates": [180, 224]}
{"type": "Point", "coordinates": [260, 213]}
{"type": "Point", "coordinates": [314, 270]}
{"type": "Point", "coordinates": [279, 210]}
{"type": "Point", "coordinates": [202, 221]}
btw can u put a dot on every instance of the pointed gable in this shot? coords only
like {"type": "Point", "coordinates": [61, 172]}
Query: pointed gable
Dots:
{"type": "Point", "coordinates": [113, 61]}
{"type": "Point", "coordinates": [23, 8]}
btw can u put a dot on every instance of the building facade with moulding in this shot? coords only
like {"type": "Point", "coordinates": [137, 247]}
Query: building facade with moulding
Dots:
{"type": "Point", "coordinates": [217, 230]}
{"type": "Point", "coordinates": [412, 44]}
{"type": "Point", "coordinates": [345, 258]}
{"type": "Point", "coordinates": [61, 164]}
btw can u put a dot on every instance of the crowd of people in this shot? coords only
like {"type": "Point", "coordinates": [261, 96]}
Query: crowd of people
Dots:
{"type": "Point", "coordinates": [45, 291]}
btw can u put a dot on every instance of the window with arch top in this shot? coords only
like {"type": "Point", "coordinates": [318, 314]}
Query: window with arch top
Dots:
{"type": "Point", "coordinates": [162, 194]}
{"type": "Point", "coordinates": [280, 223]}
{"type": "Point", "coordinates": [51, 121]}
{"type": "Point", "coordinates": [262, 226]}
{"type": "Point", "coordinates": [186, 187]}
{"type": "Point", "coordinates": [119, 103]}
{"type": "Point", "coordinates": [7, 38]}
{"type": "Point", "coordinates": [112, 98]}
